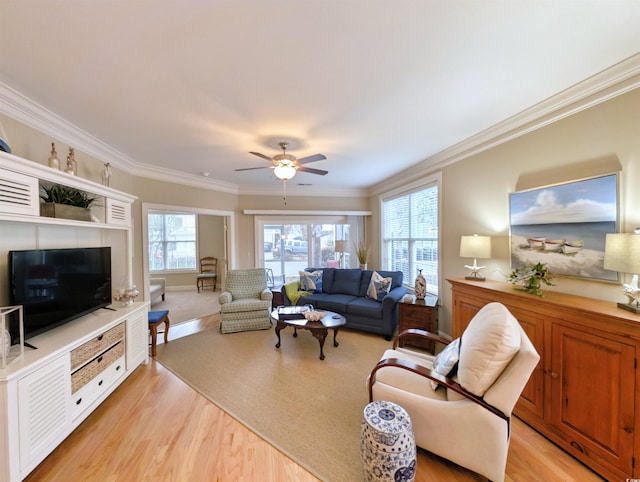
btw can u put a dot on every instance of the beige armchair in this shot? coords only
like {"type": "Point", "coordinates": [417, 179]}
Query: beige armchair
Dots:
{"type": "Point", "coordinates": [466, 418]}
{"type": "Point", "coordinates": [246, 302]}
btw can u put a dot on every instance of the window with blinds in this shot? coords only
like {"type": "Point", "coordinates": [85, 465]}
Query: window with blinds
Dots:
{"type": "Point", "coordinates": [410, 235]}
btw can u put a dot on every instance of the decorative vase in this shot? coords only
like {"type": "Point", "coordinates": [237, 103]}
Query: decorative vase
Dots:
{"type": "Point", "coordinates": [420, 286]}
{"type": "Point", "coordinates": [362, 265]}
{"type": "Point", "coordinates": [72, 166]}
{"type": "Point", "coordinates": [126, 293]}
{"type": "Point", "coordinates": [54, 162]}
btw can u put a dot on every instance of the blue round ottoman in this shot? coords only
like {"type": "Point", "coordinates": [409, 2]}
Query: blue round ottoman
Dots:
{"type": "Point", "coordinates": [387, 444]}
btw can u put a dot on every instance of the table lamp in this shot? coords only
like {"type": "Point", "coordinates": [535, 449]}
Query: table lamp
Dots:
{"type": "Point", "coordinates": [341, 246]}
{"type": "Point", "coordinates": [622, 254]}
{"type": "Point", "coordinates": [475, 247]}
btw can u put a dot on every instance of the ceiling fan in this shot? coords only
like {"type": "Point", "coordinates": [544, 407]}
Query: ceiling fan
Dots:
{"type": "Point", "coordinates": [285, 165]}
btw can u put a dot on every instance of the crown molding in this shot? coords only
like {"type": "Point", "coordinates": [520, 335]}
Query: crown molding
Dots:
{"type": "Point", "coordinates": [294, 191]}
{"type": "Point", "coordinates": [619, 79]}
{"type": "Point", "coordinates": [612, 82]}
{"type": "Point", "coordinates": [23, 109]}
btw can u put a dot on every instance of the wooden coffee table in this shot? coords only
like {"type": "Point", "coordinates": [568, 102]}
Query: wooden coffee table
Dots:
{"type": "Point", "coordinates": [319, 329]}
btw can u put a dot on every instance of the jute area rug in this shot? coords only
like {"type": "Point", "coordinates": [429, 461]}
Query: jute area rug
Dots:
{"type": "Point", "coordinates": [308, 408]}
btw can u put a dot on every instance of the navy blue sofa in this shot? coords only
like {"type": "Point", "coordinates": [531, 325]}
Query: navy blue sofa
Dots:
{"type": "Point", "coordinates": [344, 291]}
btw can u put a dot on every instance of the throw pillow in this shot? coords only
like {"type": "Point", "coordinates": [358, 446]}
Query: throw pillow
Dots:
{"type": "Point", "coordinates": [378, 286]}
{"type": "Point", "coordinates": [446, 363]}
{"type": "Point", "coordinates": [311, 281]}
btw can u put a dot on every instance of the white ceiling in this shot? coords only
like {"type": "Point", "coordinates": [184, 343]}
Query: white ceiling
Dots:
{"type": "Point", "coordinates": [376, 86]}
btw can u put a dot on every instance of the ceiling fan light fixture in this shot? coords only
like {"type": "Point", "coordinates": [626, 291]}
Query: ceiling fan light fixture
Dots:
{"type": "Point", "coordinates": [284, 172]}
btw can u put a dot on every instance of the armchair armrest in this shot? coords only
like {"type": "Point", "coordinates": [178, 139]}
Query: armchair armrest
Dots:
{"type": "Point", "coordinates": [426, 373]}
{"type": "Point", "coordinates": [159, 281]}
{"type": "Point", "coordinates": [225, 297]}
{"type": "Point", "coordinates": [266, 295]}
{"type": "Point", "coordinates": [421, 333]}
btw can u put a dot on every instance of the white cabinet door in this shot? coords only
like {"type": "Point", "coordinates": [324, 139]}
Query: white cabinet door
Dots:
{"type": "Point", "coordinates": [44, 413]}
{"type": "Point", "coordinates": [137, 338]}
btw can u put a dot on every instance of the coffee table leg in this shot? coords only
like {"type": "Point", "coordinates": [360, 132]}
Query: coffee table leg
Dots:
{"type": "Point", "coordinates": [321, 335]}
{"type": "Point", "coordinates": [279, 326]}
{"type": "Point", "coordinates": [335, 333]}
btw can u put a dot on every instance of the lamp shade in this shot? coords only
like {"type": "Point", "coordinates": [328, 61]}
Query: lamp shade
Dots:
{"type": "Point", "coordinates": [475, 246]}
{"type": "Point", "coordinates": [341, 246]}
{"type": "Point", "coordinates": [622, 253]}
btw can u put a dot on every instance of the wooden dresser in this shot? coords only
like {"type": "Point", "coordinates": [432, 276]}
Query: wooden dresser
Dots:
{"type": "Point", "coordinates": [583, 393]}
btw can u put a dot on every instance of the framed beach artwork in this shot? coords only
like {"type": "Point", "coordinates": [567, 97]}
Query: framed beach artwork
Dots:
{"type": "Point", "coordinates": [564, 226]}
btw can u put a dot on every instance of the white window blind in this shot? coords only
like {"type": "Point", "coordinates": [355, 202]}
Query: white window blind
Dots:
{"type": "Point", "coordinates": [410, 235]}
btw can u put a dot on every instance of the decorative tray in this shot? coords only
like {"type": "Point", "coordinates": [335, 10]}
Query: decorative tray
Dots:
{"type": "Point", "coordinates": [292, 312]}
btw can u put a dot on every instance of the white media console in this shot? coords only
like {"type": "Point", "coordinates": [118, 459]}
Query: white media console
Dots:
{"type": "Point", "coordinates": [47, 392]}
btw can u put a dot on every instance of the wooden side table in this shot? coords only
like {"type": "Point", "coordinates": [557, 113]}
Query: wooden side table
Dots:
{"type": "Point", "coordinates": [421, 314]}
{"type": "Point", "coordinates": [278, 298]}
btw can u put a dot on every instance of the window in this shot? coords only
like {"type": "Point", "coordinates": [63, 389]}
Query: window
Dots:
{"type": "Point", "coordinates": [410, 235]}
{"type": "Point", "coordinates": [172, 241]}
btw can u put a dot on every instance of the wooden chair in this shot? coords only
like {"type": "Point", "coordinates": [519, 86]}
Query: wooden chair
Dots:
{"type": "Point", "coordinates": [208, 273]}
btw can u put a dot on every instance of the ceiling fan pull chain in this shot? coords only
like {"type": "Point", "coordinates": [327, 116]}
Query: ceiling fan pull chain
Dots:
{"type": "Point", "coordinates": [284, 184]}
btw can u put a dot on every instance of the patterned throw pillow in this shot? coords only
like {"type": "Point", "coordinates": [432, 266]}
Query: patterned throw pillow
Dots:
{"type": "Point", "coordinates": [311, 281]}
{"type": "Point", "coordinates": [446, 363]}
{"type": "Point", "coordinates": [378, 286]}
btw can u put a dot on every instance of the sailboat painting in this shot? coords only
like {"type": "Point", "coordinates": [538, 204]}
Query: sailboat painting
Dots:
{"type": "Point", "coordinates": [564, 226]}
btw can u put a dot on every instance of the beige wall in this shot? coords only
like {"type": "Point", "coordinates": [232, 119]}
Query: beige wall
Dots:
{"type": "Point", "coordinates": [475, 191]}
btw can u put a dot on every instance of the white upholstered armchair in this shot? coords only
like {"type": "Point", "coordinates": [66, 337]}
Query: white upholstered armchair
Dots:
{"type": "Point", "coordinates": [466, 418]}
{"type": "Point", "coordinates": [246, 302]}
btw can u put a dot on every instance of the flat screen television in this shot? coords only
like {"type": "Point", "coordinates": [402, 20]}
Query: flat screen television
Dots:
{"type": "Point", "coordinates": [55, 286]}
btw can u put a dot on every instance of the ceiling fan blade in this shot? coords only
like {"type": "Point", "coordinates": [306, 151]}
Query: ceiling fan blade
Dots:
{"type": "Point", "coordinates": [261, 155]}
{"type": "Point", "coordinates": [312, 171]}
{"type": "Point", "coordinates": [252, 168]}
{"type": "Point", "coordinates": [314, 158]}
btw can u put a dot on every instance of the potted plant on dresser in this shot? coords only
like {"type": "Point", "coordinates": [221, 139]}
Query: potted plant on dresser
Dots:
{"type": "Point", "coordinates": [65, 202]}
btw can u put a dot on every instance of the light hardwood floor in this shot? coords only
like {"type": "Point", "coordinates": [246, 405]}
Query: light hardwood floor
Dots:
{"type": "Point", "coordinates": [155, 427]}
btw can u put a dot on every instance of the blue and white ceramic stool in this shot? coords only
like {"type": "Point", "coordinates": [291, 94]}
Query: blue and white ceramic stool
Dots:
{"type": "Point", "coordinates": [387, 444]}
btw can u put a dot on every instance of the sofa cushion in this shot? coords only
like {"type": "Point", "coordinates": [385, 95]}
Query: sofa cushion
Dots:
{"type": "Point", "coordinates": [346, 281]}
{"type": "Point", "coordinates": [488, 344]}
{"type": "Point", "coordinates": [365, 307]}
{"type": "Point", "coordinates": [331, 302]}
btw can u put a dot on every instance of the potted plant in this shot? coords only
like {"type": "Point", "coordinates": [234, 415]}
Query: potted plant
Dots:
{"type": "Point", "coordinates": [363, 252]}
{"type": "Point", "coordinates": [531, 277]}
{"type": "Point", "coordinates": [65, 202]}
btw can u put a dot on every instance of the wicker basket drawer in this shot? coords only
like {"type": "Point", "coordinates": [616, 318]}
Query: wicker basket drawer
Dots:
{"type": "Point", "coordinates": [90, 349]}
{"type": "Point", "coordinates": [91, 370]}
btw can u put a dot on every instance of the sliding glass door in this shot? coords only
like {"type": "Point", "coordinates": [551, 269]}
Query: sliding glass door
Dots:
{"type": "Point", "coordinates": [291, 245]}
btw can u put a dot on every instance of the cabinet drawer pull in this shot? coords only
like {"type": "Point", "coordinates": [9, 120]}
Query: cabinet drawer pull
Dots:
{"type": "Point", "coordinates": [100, 383]}
{"type": "Point", "coordinates": [99, 359]}
{"type": "Point", "coordinates": [118, 368]}
{"type": "Point", "coordinates": [100, 337]}
{"type": "Point", "coordinates": [79, 401]}
{"type": "Point", "coordinates": [577, 446]}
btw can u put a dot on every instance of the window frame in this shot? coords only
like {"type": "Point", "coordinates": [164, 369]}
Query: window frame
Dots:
{"type": "Point", "coordinates": [434, 180]}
